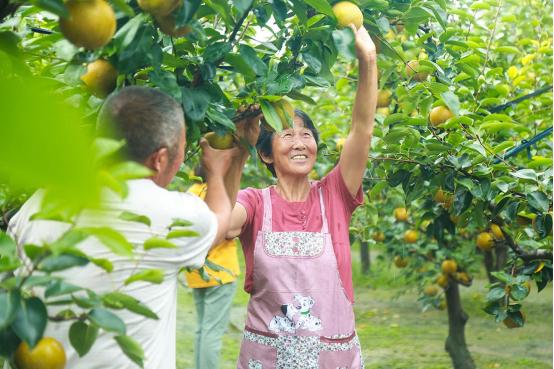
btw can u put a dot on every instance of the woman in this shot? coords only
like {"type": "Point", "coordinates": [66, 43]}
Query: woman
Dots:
{"type": "Point", "coordinates": [295, 241]}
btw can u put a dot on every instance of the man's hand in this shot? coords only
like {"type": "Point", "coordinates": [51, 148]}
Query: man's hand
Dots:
{"type": "Point", "coordinates": [365, 48]}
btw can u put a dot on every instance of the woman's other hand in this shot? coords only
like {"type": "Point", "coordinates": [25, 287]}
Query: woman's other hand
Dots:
{"type": "Point", "coordinates": [365, 48]}
{"type": "Point", "coordinates": [248, 128]}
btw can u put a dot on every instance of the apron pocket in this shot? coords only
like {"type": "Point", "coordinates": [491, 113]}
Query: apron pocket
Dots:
{"type": "Point", "coordinates": [257, 351]}
{"type": "Point", "coordinates": [340, 354]}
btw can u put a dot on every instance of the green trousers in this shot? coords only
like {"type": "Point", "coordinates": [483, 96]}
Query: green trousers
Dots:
{"type": "Point", "coordinates": [213, 305]}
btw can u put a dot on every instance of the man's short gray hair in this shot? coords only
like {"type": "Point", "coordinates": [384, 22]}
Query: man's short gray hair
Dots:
{"type": "Point", "coordinates": [148, 119]}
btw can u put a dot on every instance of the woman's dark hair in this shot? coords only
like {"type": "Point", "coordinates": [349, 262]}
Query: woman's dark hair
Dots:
{"type": "Point", "coordinates": [266, 137]}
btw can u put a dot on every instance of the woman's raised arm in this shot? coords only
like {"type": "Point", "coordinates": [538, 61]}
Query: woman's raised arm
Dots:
{"type": "Point", "coordinates": [354, 156]}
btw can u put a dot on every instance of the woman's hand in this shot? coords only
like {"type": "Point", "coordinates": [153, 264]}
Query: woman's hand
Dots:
{"type": "Point", "coordinates": [248, 129]}
{"type": "Point", "coordinates": [365, 48]}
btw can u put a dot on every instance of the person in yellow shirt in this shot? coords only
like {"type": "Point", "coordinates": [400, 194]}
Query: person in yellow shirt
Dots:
{"type": "Point", "coordinates": [212, 297]}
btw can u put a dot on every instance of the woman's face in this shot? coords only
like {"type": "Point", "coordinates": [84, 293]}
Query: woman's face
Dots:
{"type": "Point", "coordinates": [294, 150]}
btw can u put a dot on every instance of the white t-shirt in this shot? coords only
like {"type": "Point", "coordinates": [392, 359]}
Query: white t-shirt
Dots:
{"type": "Point", "coordinates": [157, 337]}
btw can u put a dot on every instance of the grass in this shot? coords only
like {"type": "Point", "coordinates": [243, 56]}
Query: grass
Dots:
{"type": "Point", "coordinates": [396, 334]}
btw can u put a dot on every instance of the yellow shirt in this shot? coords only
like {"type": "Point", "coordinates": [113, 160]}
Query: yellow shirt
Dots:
{"type": "Point", "coordinates": [224, 255]}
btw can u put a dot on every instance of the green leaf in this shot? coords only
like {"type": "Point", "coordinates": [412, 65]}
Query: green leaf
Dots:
{"type": "Point", "coordinates": [8, 264]}
{"type": "Point", "coordinates": [399, 177]}
{"type": "Point", "coordinates": [462, 200]}
{"type": "Point", "coordinates": [34, 280]}
{"type": "Point", "coordinates": [437, 88]}
{"type": "Point", "coordinates": [313, 62]}
{"type": "Point", "coordinates": [133, 217]}
{"type": "Point", "coordinates": [55, 263]}
{"type": "Point", "coordinates": [195, 102]}
{"type": "Point", "coordinates": [316, 81]}
{"type": "Point", "coordinates": [503, 146]}
{"type": "Point", "coordinates": [215, 52]}
{"type": "Point", "coordinates": [538, 200]}
{"type": "Point", "coordinates": [58, 287]}
{"type": "Point", "coordinates": [218, 268]}
{"type": "Point", "coordinates": [242, 5]}
{"type": "Point", "coordinates": [151, 275]}
{"type": "Point", "coordinates": [543, 225]}
{"type": "Point", "coordinates": [493, 127]}
{"type": "Point", "coordinates": [526, 174]}
{"type": "Point", "coordinates": [395, 119]}
{"type": "Point", "coordinates": [496, 294]}
{"type": "Point", "coordinates": [158, 243]}
{"type": "Point", "coordinates": [82, 336]}
{"type": "Point", "coordinates": [502, 277]}
{"type": "Point", "coordinates": [271, 116]}
{"type": "Point", "coordinates": [30, 320]}
{"type": "Point", "coordinates": [321, 6]}
{"type": "Point", "coordinates": [112, 239]}
{"type": "Point", "coordinates": [7, 245]}
{"type": "Point", "coordinates": [167, 82]}
{"type": "Point", "coordinates": [54, 6]}
{"type": "Point", "coordinates": [124, 7]}
{"type": "Point", "coordinates": [452, 101]}
{"type": "Point", "coordinates": [507, 50]}
{"type": "Point", "coordinates": [399, 134]}
{"type": "Point", "coordinates": [180, 223]}
{"type": "Point", "coordinates": [68, 241]}
{"type": "Point", "coordinates": [284, 84]}
{"type": "Point", "coordinates": [184, 13]}
{"type": "Point", "coordinates": [518, 292]}
{"type": "Point", "coordinates": [178, 233]}
{"type": "Point", "coordinates": [131, 348]}
{"type": "Point", "coordinates": [120, 300]}
{"type": "Point", "coordinates": [103, 263]}
{"type": "Point", "coordinates": [238, 62]}
{"type": "Point", "coordinates": [301, 97]}
{"type": "Point", "coordinates": [344, 42]}
{"type": "Point", "coordinates": [9, 302]}
{"type": "Point", "coordinates": [414, 17]}
{"type": "Point", "coordinates": [218, 117]}
{"type": "Point", "coordinates": [8, 254]}
{"type": "Point", "coordinates": [252, 59]}
{"type": "Point", "coordinates": [107, 320]}
{"type": "Point", "coordinates": [86, 302]}
{"type": "Point", "coordinates": [31, 155]}
{"type": "Point", "coordinates": [126, 34]}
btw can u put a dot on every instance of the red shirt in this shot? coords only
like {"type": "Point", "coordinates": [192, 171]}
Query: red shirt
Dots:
{"type": "Point", "coordinates": [304, 216]}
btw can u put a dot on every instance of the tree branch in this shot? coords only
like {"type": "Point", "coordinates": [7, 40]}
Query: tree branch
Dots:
{"type": "Point", "coordinates": [525, 255]}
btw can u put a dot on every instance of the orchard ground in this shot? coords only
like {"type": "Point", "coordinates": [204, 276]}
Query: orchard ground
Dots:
{"type": "Point", "coordinates": [395, 334]}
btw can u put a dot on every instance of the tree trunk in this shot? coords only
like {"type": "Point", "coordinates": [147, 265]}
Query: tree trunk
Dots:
{"type": "Point", "coordinates": [456, 342]}
{"type": "Point", "coordinates": [489, 265]}
{"type": "Point", "coordinates": [501, 253]}
{"type": "Point", "coordinates": [365, 257]}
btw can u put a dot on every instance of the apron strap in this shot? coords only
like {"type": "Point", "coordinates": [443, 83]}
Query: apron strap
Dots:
{"type": "Point", "coordinates": [266, 223]}
{"type": "Point", "coordinates": [325, 226]}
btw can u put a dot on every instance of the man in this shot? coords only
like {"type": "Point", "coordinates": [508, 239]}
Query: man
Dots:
{"type": "Point", "coordinates": [212, 297]}
{"type": "Point", "coordinates": [152, 123]}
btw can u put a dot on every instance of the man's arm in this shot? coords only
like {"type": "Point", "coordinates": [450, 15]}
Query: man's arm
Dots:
{"type": "Point", "coordinates": [353, 159]}
{"type": "Point", "coordinates": [216, 163]}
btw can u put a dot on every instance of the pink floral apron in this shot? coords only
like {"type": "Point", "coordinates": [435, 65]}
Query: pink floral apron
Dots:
{"type": "Point", "coordinates": [298, 316]}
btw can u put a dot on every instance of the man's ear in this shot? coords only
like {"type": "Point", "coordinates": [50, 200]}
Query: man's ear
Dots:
{"type": "Point", "coordinates": [158, 160]}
